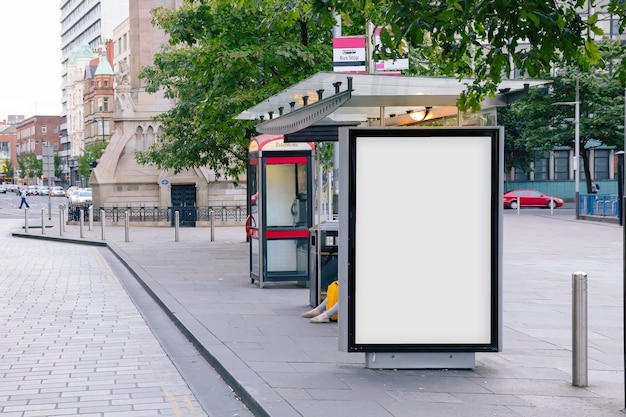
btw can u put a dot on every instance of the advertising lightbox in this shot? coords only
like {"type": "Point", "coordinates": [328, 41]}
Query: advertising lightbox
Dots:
{"type": "Point", "coordinates": [423, 215]}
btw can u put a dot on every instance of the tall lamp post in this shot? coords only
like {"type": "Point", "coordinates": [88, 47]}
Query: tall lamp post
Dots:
{"type": "Point", "coordinates": [96, 121]}
{"type": "Point", "coordinates": [576, 105]}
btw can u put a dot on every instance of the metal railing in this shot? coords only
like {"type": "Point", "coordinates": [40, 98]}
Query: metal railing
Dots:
{"type": "Point", "coordinates": [599, 205]}
{"type": "Point", "coordinates": [155, 214]}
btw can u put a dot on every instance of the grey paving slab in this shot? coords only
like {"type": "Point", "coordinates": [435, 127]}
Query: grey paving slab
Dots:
{"type": "Point", "coordinates": [72, 338]}
{"type": "Point", "coordinates": [285, 366]}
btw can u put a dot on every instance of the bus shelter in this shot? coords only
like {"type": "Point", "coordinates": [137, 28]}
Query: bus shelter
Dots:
{"type": "Point", "coordinates": [388, 270]}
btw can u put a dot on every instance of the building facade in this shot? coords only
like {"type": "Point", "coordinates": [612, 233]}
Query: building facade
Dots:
{"type": "Point", "coordinates": [31, 136]}
{"type": "Point", "coordinates": [118, 180]}
{"type": "Point", "coordinates": [8, 152]}
{"type": "Point", "coordinates": [85, 24]}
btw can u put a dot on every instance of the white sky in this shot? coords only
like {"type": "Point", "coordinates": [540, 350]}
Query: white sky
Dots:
{"type": "Point", "coordinates": [30, 53]}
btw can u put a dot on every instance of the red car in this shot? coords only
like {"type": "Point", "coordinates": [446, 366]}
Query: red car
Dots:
{"type": "Point", "coordinates": [530, 198]}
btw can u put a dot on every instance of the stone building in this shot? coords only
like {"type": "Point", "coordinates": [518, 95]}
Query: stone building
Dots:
{"type": "Point", "coordinates": [118, 180]}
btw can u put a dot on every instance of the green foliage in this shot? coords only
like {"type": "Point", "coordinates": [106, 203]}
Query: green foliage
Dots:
{"type": "Point", "coordinates": [58, 166]}
{"type": "Point", "coordinates": [538, 124]}
{"type": "Point", "coordinates": [7, 170]}
{"type": "Point", "coordinates": [91, 154]}
{"type": "Point", "coordinates": [483, 39]}
{"type": "Point", "coordinates": [223, 58]}
{"type": "Point", "coordinates": [30, 166]}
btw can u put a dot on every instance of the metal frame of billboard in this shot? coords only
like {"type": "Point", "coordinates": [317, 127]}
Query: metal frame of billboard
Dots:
{"type": "Point", "coordinates": [429, 281]}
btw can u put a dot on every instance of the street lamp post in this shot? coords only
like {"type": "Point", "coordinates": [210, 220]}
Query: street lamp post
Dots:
{"type": "Point", "coordinates": [576, 105]}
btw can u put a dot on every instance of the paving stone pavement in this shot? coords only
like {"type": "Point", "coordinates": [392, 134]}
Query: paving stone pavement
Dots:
{"type": "Point", "coordinates": [283, 366]}
{"type": "Point", "coordinates": [73, 343]}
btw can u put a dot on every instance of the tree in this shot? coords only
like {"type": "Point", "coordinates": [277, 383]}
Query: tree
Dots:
{"type": "Point", "coordinates": [224, 57]}
{"type": "Point", "coordinates": [58, 167]}
{"type": "Point", "coordinates": [7, 170]}
{"type": "Point", "coordinates": [484, 39]}
{"type": "Point", "coordinates": [30, 166]}
{"type": "Point", "coordinates": [539, 125]}
{"type": "Point", "coordinates": [88, 160]}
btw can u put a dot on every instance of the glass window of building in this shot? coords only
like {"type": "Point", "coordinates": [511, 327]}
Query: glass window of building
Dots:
{"type": "Point", "coordinates": [541, 169]}
{"type": "Point", "coordinates": [521, 175]}
{"type": "Point", "coordinates": [601, 164]}
{"type": "Point", "coordinates": [561, 165]}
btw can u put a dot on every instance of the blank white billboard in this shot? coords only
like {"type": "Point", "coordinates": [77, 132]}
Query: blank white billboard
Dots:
{"type": "Point", "coordinates": [424, 239]}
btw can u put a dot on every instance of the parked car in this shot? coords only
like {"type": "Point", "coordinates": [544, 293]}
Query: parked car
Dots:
{"type": "Point", "coordinates": [3, 189]}
{"type": "Point", "coordinates": [530, 198]}
{"type": "Point", "coordinates": [44, 190]}
{"type": "Point", "coordinates": [72, 195]}
{"type": "Point", "coordinates": [83, 197]}
{"type": "Point", "coordinates": [57, 191]}
{"type": "Point", "coordinates": [68, 192]}
{"type": "Point", "coordinates": [32, 190]}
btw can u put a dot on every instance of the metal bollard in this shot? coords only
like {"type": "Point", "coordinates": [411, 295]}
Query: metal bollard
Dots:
{"type": "Point", "coordinates": [102, 222]}
{"type": "Point", "coordinates": [579, 329]}
{"type": "Point", "coordinates": [176, 225]}
{"type": "Point", "coordinates": [61, 219]}
{"type": "Point", "coordinates": [65, 214]}
{"type": "Point", "coordinates": [90, 209]}
{"type": "Point", "coordinates": [212, 218]}
{"type": "Point", "coordinates": [82, 223]}
{"type": "Point", "coordinates": [551, 206]}
{"type": "Point", "coordinates": [43, 224]}
{"type": "Point", "coordinates": [126, 228]}
{"type": "Point", "coordinates": [519, 205]}
{"type": "Point", "coordinates": [25, 220]}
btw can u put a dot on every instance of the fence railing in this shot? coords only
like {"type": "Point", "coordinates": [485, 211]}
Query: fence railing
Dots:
{"type": "Point", "coordinates": [599, 205]}
{"type": "Point", "coordinates": [188, 216]}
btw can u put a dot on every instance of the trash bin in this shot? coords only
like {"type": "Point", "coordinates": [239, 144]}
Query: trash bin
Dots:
{"type": "Point", "coordinates": [324, 257]}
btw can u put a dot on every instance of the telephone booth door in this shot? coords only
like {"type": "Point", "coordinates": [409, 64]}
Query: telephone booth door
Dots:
{"type": "Point", "coordinates": [280, 190]}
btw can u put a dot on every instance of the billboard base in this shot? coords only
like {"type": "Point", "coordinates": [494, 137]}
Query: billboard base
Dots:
{"type": "Point", "coordinates": [420, 360]}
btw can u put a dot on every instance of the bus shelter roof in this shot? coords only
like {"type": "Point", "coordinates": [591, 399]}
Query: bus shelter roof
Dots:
{"type": "Point", "coordinates": [376, 94]}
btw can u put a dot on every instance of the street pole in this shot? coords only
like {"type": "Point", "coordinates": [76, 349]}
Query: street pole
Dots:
{"type": "Point", "coordinates": [577, 151]}
{"type": "Point", "coordinates": [102, 118]}
{"type": "Point", "coordinates": [623, 214]}
{"type": "Point", "coordinates": [576, 105]}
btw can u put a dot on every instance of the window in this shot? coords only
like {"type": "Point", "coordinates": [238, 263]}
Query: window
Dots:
{"type": "Point", "coordinates": [542, 167]}
{"type": "Point", "coordinates": [601, 164]}
{"type": "Point", "coordinates": [105, 103]}
{"type": "Point", "coordinates": [44, 130]}
{"type": "Point", "coordinates": [521, 175]}
{"type": "Point", "coordinates": [561, 165]}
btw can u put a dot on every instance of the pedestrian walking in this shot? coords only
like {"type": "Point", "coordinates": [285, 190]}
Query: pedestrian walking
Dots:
{"type": "Point", "coordinates": [23, 194]}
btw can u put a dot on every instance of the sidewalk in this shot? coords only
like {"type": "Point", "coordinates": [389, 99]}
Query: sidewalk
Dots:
{"type": "Point", "coordinates": [283, 366]}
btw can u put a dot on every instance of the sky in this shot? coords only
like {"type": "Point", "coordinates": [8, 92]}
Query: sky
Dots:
{"type": "Point", "coordinates": [30, 71]}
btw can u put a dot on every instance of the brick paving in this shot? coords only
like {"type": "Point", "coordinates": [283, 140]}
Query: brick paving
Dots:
{"type": "Point", "coordinates": [72, 341]}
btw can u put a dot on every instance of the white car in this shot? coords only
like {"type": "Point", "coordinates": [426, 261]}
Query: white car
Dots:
{"type": "Point", "coordinates": [57, 191]}
{"type": "Point", "coordinates": [83, 197]}
{"type": "Point", "coordinates": [72, 195]}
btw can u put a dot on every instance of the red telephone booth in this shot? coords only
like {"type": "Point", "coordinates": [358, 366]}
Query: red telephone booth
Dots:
{"type": "Point", "coordinates": [280, 192]}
